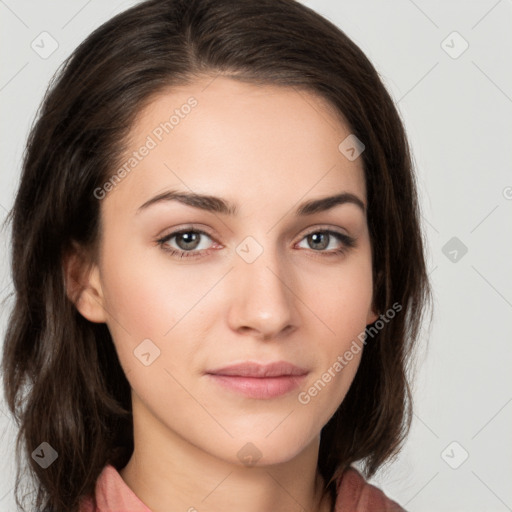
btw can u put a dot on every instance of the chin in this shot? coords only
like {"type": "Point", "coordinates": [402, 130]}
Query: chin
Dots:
{"type": "Point", "coordinates": [266, 450]}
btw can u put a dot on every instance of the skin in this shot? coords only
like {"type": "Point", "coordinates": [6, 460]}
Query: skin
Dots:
{"type": "Point", "coordinates": [266, 149]}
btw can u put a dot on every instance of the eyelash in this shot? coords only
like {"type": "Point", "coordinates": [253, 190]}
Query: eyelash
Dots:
{"type": "Point", "coordinates": [347, 241]}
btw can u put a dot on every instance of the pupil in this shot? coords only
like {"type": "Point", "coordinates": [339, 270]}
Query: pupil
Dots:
{"type": "Point", "coordinates": [190, 239]}
{"type": "Point", "coordinates": [315, 237]}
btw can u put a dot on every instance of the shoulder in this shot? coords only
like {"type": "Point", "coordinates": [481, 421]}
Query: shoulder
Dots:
{"type": "Point", "coordinates": [112, 494]}
{"type": "Point", "coordinates": [355, 494]}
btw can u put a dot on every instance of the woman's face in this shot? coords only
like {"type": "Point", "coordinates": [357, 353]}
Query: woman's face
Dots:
{"type": "Point", "coordinates": [264, 283]}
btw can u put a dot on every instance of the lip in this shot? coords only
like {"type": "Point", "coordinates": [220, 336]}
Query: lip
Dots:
{"type": "Point", "coordinates": [254, 369]}
{"type": "Point", "coordinates": [260, 381]}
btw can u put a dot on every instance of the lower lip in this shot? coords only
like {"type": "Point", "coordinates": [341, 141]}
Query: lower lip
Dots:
{"type": "Point", "coordinates": [259, 387]}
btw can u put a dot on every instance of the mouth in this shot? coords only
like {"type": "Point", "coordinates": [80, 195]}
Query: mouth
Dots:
{"type": "Point", "coordinates": [260, 381]}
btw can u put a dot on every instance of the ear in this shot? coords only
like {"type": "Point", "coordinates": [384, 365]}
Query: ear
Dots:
{"type": "Point", "coordinates": [83, 285]}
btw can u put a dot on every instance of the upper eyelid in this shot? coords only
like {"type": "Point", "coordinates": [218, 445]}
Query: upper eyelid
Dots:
{"type": "Point", "coordinates": [172, 234]}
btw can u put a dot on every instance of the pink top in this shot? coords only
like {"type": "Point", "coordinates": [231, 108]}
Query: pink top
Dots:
{"type": "Point", "coordinates": [354, 494]}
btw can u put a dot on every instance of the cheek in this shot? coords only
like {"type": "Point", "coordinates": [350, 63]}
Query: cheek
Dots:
{"type": "Point", "coordinates": [148, 299]}
{"type": "Point", "coordinates": [343, 298]}
{"type": "Point", "coordinates": [137, 300]}
{"type": "Point", "coordinates": [343, 309]}
{"type": "Point", "coordinates": [160, 302]}
{"type": "Point", "coordinates": [342, 304]}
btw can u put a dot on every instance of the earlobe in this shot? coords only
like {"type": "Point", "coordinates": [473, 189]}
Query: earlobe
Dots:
{"type": "Point", "coordinates": [83, 286]}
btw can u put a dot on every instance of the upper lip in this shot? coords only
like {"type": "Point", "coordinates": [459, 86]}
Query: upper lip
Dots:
{"type": "Point", "coordinates": [254, 369]}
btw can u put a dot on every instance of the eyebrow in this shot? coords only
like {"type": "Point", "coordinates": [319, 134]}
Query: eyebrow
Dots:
{"type": "Point", "coordinates": [219, 205]}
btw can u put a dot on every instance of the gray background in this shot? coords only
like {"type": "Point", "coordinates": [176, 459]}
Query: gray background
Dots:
{"type": "Point", "coordinates": [457, 110]}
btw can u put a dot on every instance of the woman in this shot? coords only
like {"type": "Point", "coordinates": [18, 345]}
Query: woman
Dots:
{"type": "Point", "coordinates": [218, 267]}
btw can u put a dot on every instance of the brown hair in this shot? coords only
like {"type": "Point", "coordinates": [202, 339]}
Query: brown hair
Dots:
{"type": "Point", "coordinates": [61, 375]}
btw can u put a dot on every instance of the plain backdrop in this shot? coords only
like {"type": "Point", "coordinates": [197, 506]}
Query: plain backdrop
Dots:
{"type": "Point", "coordinates": [448, 67]}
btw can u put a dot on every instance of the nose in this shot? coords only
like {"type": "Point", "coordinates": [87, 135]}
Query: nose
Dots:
{"type": "Point", "coordinates": [263, 303]}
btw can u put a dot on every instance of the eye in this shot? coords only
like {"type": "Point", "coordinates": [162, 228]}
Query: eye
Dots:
{"type": "Point", "coordinates": [321, 239]}
{"type": "Point", "coordinates": [188, 242]}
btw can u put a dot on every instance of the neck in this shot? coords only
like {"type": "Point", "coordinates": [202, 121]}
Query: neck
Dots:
{"type": "Point", "coordinates": [168, 473]}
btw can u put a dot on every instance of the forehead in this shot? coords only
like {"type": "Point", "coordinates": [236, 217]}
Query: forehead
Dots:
{"type": "Point", "coordinates": [237, 140]}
